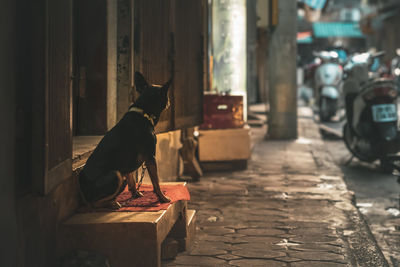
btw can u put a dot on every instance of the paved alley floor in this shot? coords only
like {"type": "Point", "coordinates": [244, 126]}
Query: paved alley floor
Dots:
{"type": "Point", "coordinates": [290, 207]}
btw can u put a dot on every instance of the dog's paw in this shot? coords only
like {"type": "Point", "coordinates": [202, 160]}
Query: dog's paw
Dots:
{"type": "Point", "coordinates": [164, 199]}
{"type": "Point", "coordinates": [113, 205]}
{"type": "Point", "coordinates": [136, 194]}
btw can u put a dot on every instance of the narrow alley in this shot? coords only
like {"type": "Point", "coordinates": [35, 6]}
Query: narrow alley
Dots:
{"type": "Point", "coordinates": [149, 133]}
{"type": "Point", "coordinates": [291, 207]}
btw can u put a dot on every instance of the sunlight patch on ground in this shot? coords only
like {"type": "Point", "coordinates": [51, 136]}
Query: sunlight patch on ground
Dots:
{"type": "Point", "coordinates": [393, 211]}
{"type": "Point", "coordinates": [303, 141]}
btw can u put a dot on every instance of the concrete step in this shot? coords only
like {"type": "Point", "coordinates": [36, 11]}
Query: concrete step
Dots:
{"type": "Point", "coordinates": [191, 229]}
{"type": "Point", "coordinates": [176, 241]}
{"type": "Point", "coordinates": [128, 238]}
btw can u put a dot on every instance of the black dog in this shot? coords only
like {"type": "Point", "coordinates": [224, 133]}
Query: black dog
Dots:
{"type": "Point", "coordinates": [124, 148]}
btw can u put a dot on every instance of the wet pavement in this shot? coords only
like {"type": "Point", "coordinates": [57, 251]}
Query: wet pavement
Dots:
{"type": "Point", "coordinates": [377, 196]}
{"type": "Point", "coordinates": [290, 207]}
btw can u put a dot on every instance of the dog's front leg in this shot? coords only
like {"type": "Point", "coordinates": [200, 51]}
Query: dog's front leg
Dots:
{"type": "Point", "coordinates": [152, 169]}
{"type": "Point", "coordinates": [132, 185]}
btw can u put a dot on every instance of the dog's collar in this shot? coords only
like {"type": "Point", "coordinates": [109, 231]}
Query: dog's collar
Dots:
{"type": "Point", "coordinates": [149, 117]}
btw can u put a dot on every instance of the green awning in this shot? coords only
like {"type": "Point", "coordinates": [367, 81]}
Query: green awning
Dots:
{"type": "Point", "coordinates": [337, 29]}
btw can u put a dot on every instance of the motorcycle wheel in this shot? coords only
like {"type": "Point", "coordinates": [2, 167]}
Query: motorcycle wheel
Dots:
{"type": "Point", "coordinates": [386, 166]}
{"type": "Point", "coordinates": [327, 108]}
{"type": "Point", "coordinates": [390, 163]}
{"type": "Point", "coordinates": [348, 139]}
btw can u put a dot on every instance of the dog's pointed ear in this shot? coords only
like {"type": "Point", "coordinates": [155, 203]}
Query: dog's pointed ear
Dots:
{"type": "Point", "coordinates": [140, 82]}
{"type": "Point", "coordinates": [167, 84]}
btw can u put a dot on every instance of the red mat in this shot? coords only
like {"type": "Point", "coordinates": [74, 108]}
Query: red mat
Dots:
{"type": "Point", "coordinates": [149, 202]}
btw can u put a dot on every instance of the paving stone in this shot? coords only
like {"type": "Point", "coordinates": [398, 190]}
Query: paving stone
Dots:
{"type": "Point", "coordinates": [255, 263]}
{"type": "Point", "coordinates": [318, 247]}
{"type": "Point", "coordinates": [216, 230]}
{"type": "Point", "coordinates": [237, 226]}
{"type": "Point", "coordinates": [258, 254]}
{"type": "Point", "coordinates": [198, 261]}
{"type": "Point", "coordinates": [225, 239]}
{"type": "Point", "coordinates": [207, 251]}
{"type": "Point", "coordinates": [288, 259]}
{"type": "Point", "coordinates": [226, 189]}
{"type": "Point", "coordinates": [287, 236]}
{"type": "Point", "coordinates": [314, 238]}
{"type": "Point", "coordinates": [262, 218]}
{"type": "Point", "coordinates": [261, 239]}
{"type": "Point", "coordinates": [228, 257]}
{"type": "Point", "coordinates": [269, 225]}
{"type": "Point", "coordinates": [235, 235]}
{"type": "Point", "coordinates": [320, 255]}
{"type": "Point", "coordinates": [212, 245]}
{"type": "Point", "coordinates": [316, 264]}
{"type": "Point", "coordinates": [261, 232]}
{"type": "Point", "coordinates": [313, 231]}
{"type": "Point", "coordinates": [268, 212]}
{"type": "Point", "coordinates": [256, 246]}
{"type": "Point", "coordinates": [306, 224]}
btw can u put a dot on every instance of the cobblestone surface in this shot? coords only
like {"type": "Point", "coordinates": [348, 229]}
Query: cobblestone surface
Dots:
{"type": "Point", "coordinates": [290, 207]}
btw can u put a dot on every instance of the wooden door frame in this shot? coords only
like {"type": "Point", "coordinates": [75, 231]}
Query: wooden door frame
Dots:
{"type": "Point", "coordinates": [54, 176]}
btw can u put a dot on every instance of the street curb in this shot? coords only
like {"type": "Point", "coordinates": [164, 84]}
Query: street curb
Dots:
{"type": "Point", "coordinates": [361, 243]}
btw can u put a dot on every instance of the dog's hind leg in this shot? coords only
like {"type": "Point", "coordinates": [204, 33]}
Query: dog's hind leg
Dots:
{"type": "Point", "coordinates": [109, 201]}
{"type": "Point", "coordinates": [132, 185]}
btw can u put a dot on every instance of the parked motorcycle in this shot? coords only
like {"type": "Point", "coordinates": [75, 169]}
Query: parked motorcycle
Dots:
{"type": "Point", "coordinates": [395, 68]}
{"type": "Point", "coordinates": [371, 131]}
{"type": "Point", "coordinates": [328, 79]}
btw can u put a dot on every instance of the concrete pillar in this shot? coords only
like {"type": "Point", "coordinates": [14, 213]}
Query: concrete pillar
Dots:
{"type": "Point", "coordinates": [229, 48]}
{"type": "Point", "coordinates": [282, 118]}
{"type": "Point", "coordinates": [251, 46]}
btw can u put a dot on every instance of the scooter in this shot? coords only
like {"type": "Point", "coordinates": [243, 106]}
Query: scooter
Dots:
{"type": "Point", "coordinates": [371, 131]}
{"type": "Point", "coordinates": [395, 68]}
{"type": "Point", "coordinates": [328, 79]}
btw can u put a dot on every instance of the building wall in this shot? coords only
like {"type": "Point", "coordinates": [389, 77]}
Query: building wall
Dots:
{"type": "Point", "coordinates": [388, 39]}
{"type": "Point", "coordinates": [8, 229]}
{"type": "Point", "coordinates": [38, 213]}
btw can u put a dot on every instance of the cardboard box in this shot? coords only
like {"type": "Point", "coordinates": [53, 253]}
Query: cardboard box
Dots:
{"type": "Point", "coordinates": [224, 144]}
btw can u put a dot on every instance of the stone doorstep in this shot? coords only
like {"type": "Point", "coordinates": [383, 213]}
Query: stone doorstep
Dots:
{"type": "Point", "coordinates": [176, 241]}
{"type": "Point", "coordinates": [128, 238]}
{"type": "Point", "coordinates": [191, 229]}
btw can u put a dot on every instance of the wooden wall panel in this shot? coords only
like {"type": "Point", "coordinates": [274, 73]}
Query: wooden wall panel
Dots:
{"type": "Point", "coordinates": [90, 67]}
{"type": "Point", "coordinates": [169, 38]}
{"type": "Point", "coordinates": [58, 72]}
{"type": "Point", "coordinates": [189, 62]}
{"type": "Point", "coordinates": [154, 48]}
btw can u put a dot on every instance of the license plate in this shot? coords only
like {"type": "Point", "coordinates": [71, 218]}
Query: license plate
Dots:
{"type": "Point", "coordinates": [384, 113]}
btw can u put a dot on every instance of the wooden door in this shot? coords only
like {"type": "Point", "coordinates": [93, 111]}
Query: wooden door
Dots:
{"type": "Point", "coordinates": [90, 67]}
{"type": "Point", "coordinates": [153, 51]}
{"type": "Point", "coordinates": [169, 38]}
{"type": "Point", "coordinates": [58, 111]}
{"type": "Point", "coordinates": [190, 62]}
